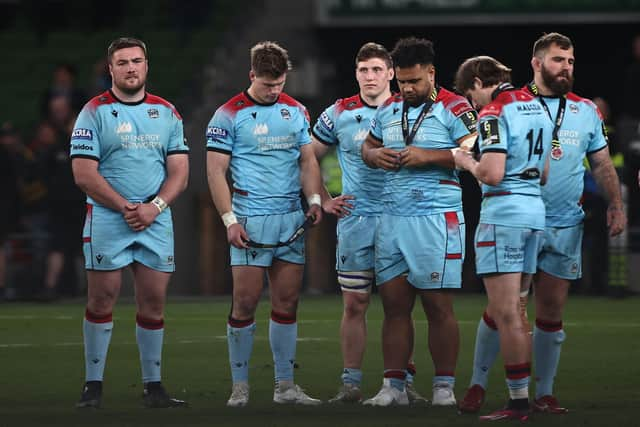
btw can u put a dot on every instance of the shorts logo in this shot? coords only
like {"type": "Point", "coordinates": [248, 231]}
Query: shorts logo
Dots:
{"type": "Point", "coordinates": [99, 258]}
{"type": "Point", "coordinates": [285, 114]}
{"type": "Point", "coordinates": [81, 133]}
{"type": "Point", "coordinates": [170, 260]}
{"type": "Point", "coordinates": [435, 276]}
{"type": "Point", "coordinates": [574, 268]}
{"type": "Point", "coordinates": [153, 113]}
{"type": "Point", "coordinates": [343, 258]}
{"type": "Point", "coordinates": [213, 131]}
{"type": "Point", "coordinates": [254, 254]}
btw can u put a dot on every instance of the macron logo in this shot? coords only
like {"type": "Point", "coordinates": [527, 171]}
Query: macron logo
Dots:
{"type": "Point", "coordinates": [81, 133]}
{"type": "Point", "coordinates": [261, 129]}
{"type": "Point", "coordinates": [124, 127]}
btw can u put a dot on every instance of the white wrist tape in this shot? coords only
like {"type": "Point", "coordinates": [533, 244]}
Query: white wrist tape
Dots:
{"type": "Point", "coordinates": [314, 199]}
{"type": "Point", "coordinates": [159, 203]}
{"type": "Point", "coordinates": [229, 219]}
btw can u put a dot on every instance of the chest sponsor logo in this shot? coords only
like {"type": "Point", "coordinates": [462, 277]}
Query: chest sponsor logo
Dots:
{"type": "Point", "coordinates": [214, 131]}
{"type": "Point", "coordinates": [285, 114]}
{"type": "Point", "coordinates": [261, 129]}
{"type": "Point", "coordinates": [569, 137]}
{"type": "Point", "coordinates": [124, 127]}
{"type": "Point", "coordinates": [81, 133]}
{"type": "Point", "coordinates": [361, 135]}
{"type": "Point", "coordinates": [153, 113]}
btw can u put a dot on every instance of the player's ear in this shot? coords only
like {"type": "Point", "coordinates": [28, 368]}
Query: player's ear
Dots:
{"type": "Point", "coordinates": [252, 75]}
{"type": "Point", "coordinates": [391, 74]}
{"type": "Point", "coordinates": [535, 63]}
{"type": "Point", "coordinates": [477, 83]}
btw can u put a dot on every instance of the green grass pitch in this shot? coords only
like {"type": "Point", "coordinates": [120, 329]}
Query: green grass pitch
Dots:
{"type": "Point", "coordinates": [41, 374]}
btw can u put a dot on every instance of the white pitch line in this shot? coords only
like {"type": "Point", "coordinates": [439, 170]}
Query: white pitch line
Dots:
{"type": "Point", "coordinates": [181, 341]}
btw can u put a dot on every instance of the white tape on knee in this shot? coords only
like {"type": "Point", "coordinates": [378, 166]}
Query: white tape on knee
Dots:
{"type": "Point", "coordinates": [355, 280]}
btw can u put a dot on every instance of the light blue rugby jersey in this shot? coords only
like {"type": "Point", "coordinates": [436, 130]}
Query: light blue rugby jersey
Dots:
{"type": "Point", "coordinates": [515, 123]}
{"type": "Point", "coordinates": [581, 133]}
{"type": "Point", "coordinates": [346, 124]}
{"type": "Point", "coordinates": [131, 142]}
{"type": "Point", "coordinates": [433, 189]}
{"type": "Point", "coordinates": [264, 142]}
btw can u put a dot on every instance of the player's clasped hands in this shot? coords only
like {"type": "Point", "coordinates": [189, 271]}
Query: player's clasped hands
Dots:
{"type": "Point", "coordinates": [462, 158]}
{"type": "Point", "coordinates": [386, 158]}
{"type": "Point", "coordinates": [139, 215]}
{"type": "Point", "coordinates": [412, 157]}
{"type": "Point", "coordinates": [339, 206]}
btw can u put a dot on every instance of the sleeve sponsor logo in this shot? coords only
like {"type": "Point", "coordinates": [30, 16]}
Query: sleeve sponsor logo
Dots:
{"type": "Point", "coordinates": [324, 118]}
{"type": "Point", "coordinates": [489, 132]}
{"type": "Point", "coordinates": [470, 120]}
{"type": "Point", "coordinates": [81, 133]}
{"type": "Point", "coordinates": [81, 147]}
{"type": "Point", "coordinates": [215, 131]}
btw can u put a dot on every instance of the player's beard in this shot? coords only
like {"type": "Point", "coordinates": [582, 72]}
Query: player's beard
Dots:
{"type": "Point", "coordinates": [131, 90]}
{"type": "Point", "coordinates": [558, 87]}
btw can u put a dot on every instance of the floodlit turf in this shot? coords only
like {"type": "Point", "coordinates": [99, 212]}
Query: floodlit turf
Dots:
{"type": "Point", "coordinates": [42, 370]}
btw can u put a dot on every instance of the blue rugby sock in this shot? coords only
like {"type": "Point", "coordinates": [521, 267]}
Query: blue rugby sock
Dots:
{"type": "Point", "coordinates": [96, 332]}
{"type": "Point", "coordinates": [240, 343]}
{"type": "Point", "coordinates": [352, 376]}
{"type": "Point", "coordinates": [547, 344]}
{"type": "Point", "coordinates": [283, 332]}
{"type": "Point", "coordinates": [150, 335]}
{"type": "Point", "coordinates": [486, 350]}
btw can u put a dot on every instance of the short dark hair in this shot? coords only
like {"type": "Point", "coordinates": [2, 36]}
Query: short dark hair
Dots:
{"type": "Point", "coordinates": [269, 59]}
{"type": "Point", "coordinates": [546, 40]}
{"type": "Point", "coordinates": [489, 70]}
{"type": "Point", "coordinates": [374, 50]}
{"type": "Point", "coordinates": [411, 51]}
{"type": "Point", "coordinates": [123, 43]}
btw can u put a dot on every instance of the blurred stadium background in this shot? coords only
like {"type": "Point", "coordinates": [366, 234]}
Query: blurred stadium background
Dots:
{"type": "Point", "coordinates": [198, 54]}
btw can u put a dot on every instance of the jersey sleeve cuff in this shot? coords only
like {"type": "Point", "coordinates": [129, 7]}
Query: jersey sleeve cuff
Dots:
{"type": "Point", "coordinates": [375, 137]}
{"type": "Point", "coordinates": [597, 149]}
{"type": "Point", "coordinates": [320, 139]}
{"type": "Point", "coordinates": [219, 150]}
{"type": "Point", "coordinates": [494, 150]}
{"type": "Point", "coordinates": [84, 156]}
{"type": "Point", "coordinates": [169, 153]}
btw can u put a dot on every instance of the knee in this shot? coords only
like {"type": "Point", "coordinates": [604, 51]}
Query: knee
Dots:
{"type": "Point", "coordinates": [356, 307]}
{"type": "Point", "coordinates": [438, 313]}
{"type": "Point", "coordinates": [102, 304]}
{"type": "Point", "coordinates": [506, 317]}
{"type": "Point", "coordinates": [244, 306]}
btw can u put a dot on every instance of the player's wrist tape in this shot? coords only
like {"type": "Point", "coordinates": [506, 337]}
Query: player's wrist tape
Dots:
{"type": "Point", "coordinates": [314, 199]}
{"type": "Point", "coordinates": [159, 203]}
{"type": "Point", "coordinates": [229, 219]}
